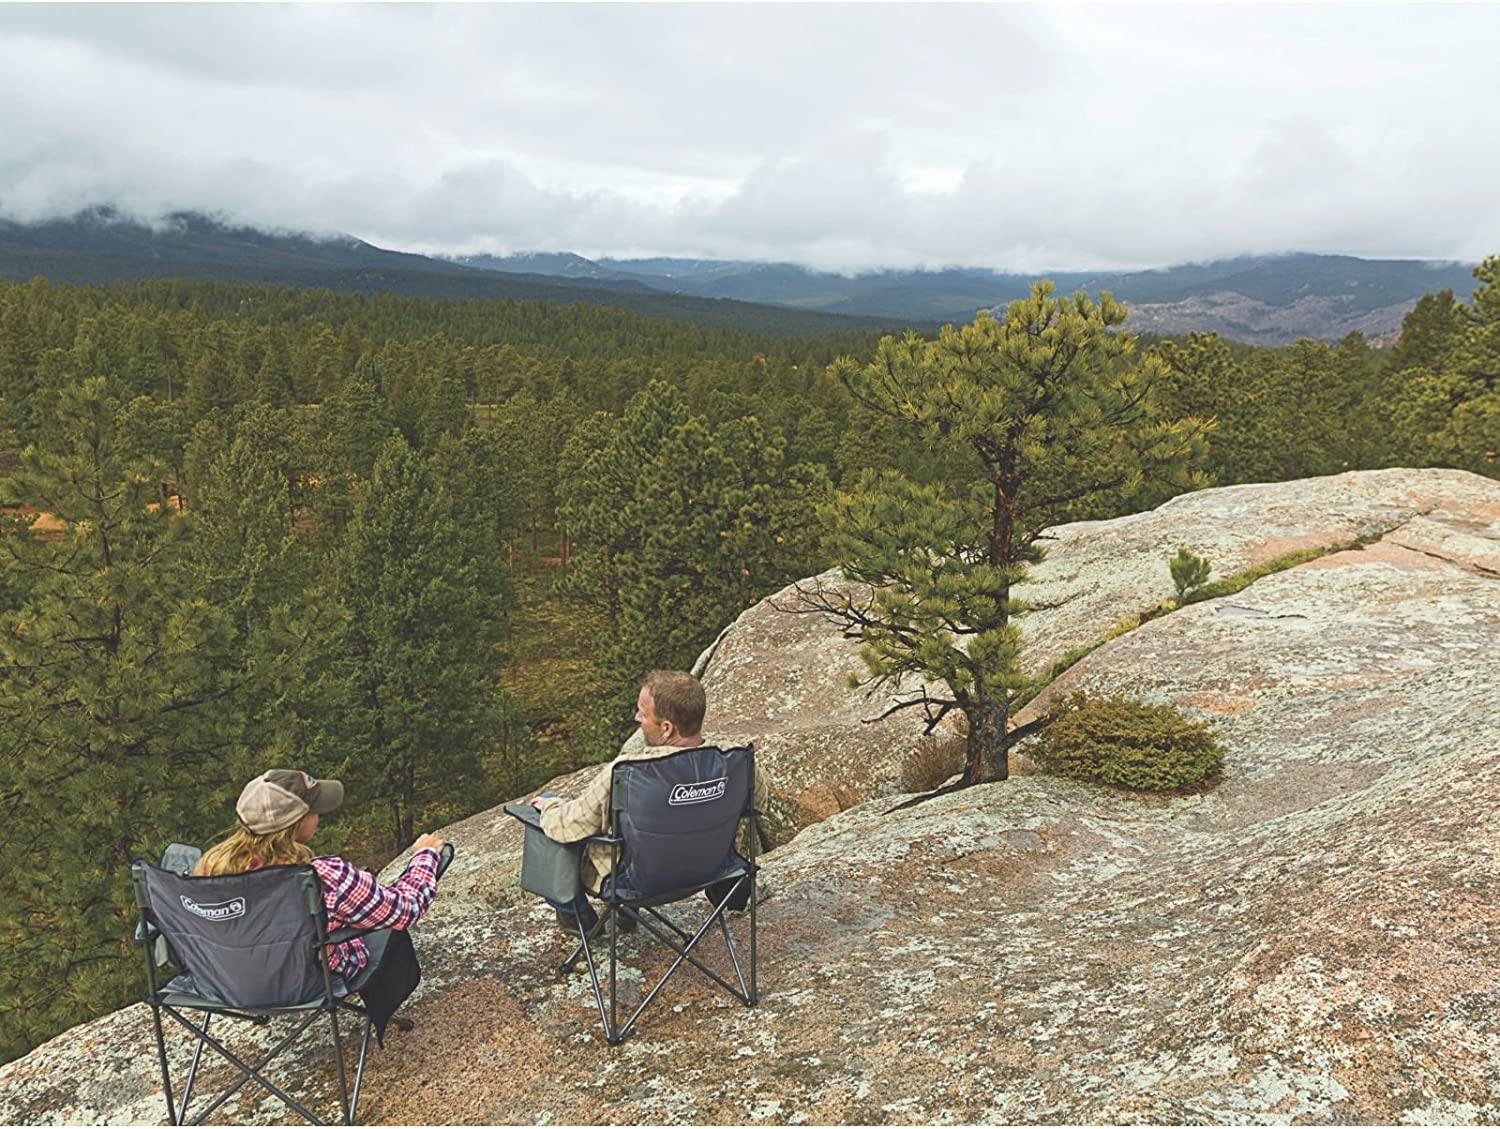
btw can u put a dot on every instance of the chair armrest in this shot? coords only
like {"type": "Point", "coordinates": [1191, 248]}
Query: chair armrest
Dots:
{"type": "Point", "coordinates": [348, 933]}
{"type": "Point", "coordinates": [525, 813]}
{"type": "Point", "coordinates": [533, 818]}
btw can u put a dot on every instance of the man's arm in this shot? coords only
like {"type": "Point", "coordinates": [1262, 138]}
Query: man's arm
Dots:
{"type": "Point", "coordinates": [761, 793]}
{"type": "Point", "coordinates": [760, 799]}
{"type": "Point", "coordinates": [568, 821]}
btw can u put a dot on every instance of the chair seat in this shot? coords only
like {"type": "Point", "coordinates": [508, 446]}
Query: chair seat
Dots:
{"type": "Point", "coordinates": [732, 867]}
{"type": "Point", "coordinates": [182, 991]}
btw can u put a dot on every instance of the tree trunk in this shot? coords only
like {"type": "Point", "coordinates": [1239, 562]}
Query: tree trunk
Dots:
{"type": "Point", "coordinates": [409, 798]}
{"type": "Point", "coordinates": [988, 743]}
{"type": "Point", "coordinates": [398, 843]}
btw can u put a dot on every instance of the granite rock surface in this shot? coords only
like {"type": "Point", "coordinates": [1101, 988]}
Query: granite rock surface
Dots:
{"type": "Point", "coordinates": [1309, 940]}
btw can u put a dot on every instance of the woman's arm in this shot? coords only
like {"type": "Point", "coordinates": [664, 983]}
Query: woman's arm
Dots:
{"type": "Point", "coordinates": [356, 898]}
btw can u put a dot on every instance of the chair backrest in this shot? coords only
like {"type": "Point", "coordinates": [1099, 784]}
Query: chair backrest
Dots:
{"type": "Point", "coordinates": [678, 815]}
{"type": "Point", "coordinates": [248, 940]}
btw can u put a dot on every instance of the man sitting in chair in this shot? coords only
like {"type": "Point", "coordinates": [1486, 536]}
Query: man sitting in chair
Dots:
{"type": "Point", "coordinates": [669, 710]}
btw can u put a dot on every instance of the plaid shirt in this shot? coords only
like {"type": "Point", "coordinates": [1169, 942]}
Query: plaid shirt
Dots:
{"type": "Point", "coordinates": [356, 900]}
{"type": "Point", "coordinates": [572, 820]}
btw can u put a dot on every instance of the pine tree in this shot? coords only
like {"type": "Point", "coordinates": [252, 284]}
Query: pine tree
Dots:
{"type": "Point", "coordinates": [1446, 411]}
{"type": "Point", "coordinates": [685, 525]}
{"type": "Point", "coordinates": [117, 705]}
{"type": "Point", "coordinates": [1472, 437]}
{"type": "Point", "coordinates": [413, 702]}
{"type": "Point", "coordinates": [1052, 413]}
{"type": "Point", "coordinates": [598, 473]}
{"type": "Point", "coordinates": [1427, 332]}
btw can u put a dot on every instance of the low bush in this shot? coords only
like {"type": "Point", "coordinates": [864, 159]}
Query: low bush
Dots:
{"type": "Point", "coordinates": [1127, 744]}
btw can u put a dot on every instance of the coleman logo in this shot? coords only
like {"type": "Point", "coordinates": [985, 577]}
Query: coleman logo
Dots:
{"type": "Point", "coordinates": [700, 792]}
{"type": "Point", "coordinates": [214, 911]}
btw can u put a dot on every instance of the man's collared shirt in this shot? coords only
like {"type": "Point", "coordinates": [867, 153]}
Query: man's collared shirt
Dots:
{"type": "Point", "coordinates": [571, 820]}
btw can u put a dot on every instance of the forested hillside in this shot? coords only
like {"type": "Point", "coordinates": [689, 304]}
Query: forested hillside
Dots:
{"type": "Point", "coordinates": [101, 246]}
{"type": "Point", "coordinates": [427, 547]}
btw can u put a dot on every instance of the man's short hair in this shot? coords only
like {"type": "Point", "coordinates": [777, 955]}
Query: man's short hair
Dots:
{"type": "Point", "coordinates": [677, 697]}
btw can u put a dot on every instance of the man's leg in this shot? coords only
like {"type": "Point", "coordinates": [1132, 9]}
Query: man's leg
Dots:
{"type": "Point", "coordinates": [571, 914]}
{"type": "Point", "coordinates": [568, 913]}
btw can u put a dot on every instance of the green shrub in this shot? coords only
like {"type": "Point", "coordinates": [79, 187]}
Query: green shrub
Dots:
{"type": "Point", "coordinates": [1127, 744]}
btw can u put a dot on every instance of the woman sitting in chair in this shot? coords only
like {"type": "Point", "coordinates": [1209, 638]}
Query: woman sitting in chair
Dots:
{"type": "Point", "coordinates": [278, 814]}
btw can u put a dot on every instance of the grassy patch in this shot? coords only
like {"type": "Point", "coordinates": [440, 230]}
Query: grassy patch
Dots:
{"type": "Point", "coordinates": [1239, 581]}
{"type": "Point", "coordinates": [1218, 589]}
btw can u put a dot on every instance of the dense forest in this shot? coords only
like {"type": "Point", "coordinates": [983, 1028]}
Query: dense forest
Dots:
{"type": "Point", "coordinates": [428, 547]}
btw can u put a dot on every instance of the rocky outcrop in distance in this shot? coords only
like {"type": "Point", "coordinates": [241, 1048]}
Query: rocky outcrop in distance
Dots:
{"type": "Point", "coordinates": [1308, 940]}
{"type": "Point", "coordinates": [1326, 317]}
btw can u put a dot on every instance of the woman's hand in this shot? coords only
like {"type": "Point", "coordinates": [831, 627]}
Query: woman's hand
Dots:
{"type": "Point", "coordinates": [428, 840]}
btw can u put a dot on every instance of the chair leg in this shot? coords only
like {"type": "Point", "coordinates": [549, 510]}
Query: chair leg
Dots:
{"type": "Point", "coordinates": [734, 960]}
{"type": "Point", "coordinates": [612, 1033]}
{"type": "Point", "coordinates": [161, 1052]}
{"type": "Point", "coordinates": [359, 1069]}
{"type": "Point", "coordinates": [338, 1059]}
{"type": "Point", "coordinates": [615, 1033]}
{"type": "Point", "coordinates": [187, 1093]}
{"type": "Point", "coordinates": [594, 932]}
{"type": "Point", "coordinates": [754, 897]}
{"type": "Point", "coordinates": [683, 954]}
{"type": "Point", "coordinates": [588, 956]}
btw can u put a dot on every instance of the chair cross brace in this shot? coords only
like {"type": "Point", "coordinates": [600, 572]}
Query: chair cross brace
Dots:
{"type": "Point", "coordinates": [247, 1072]}
{"type": "Point", "coordinates": [615, 1034]}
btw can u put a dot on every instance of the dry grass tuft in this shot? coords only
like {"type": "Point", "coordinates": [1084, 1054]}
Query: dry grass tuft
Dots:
{"type": "Point", "coordinates": [932, 762]}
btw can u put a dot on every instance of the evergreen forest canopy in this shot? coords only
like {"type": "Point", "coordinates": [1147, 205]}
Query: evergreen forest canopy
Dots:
{"type": "Point", "coordinates": [428, 547]}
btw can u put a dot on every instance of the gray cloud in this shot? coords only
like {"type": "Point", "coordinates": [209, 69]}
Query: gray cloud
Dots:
{"type": "Point", "coordinates": [843, 136]}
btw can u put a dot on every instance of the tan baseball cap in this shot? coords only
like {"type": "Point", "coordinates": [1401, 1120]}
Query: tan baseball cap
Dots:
{"type": "Point", "coordinates": [278, 799]}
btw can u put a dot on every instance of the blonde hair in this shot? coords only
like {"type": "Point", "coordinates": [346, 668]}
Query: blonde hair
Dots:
{"type": "Point", "coordinates": [244, 850]}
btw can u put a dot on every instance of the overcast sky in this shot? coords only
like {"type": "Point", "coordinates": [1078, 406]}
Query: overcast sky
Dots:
{"type": "Point", "coordinates": [842, 136]}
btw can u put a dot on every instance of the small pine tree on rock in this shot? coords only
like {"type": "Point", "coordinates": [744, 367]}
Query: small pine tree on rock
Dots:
{"type": "Point", "coordinates": [1189, 572]}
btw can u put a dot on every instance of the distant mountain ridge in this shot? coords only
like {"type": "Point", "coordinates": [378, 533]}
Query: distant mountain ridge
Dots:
{"type": "Point", "coordinates": [1264, 300]}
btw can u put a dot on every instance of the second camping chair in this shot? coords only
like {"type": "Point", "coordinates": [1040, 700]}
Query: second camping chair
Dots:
{"type": "Point", "coordinates": [254, 947]}
{"type": "Point", "coordinates": [674, 823]}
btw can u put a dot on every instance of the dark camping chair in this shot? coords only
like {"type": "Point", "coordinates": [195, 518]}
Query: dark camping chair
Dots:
{"type": "Point", "coordinates": [675, 821]}
{"type": "Point", "coordinates": [250, 946]}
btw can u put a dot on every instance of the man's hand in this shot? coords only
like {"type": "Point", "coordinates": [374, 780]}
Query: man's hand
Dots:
{"type": "Point", "coordinates": [542, 803]}
{"type": "Point", "coordinates": [428, 840]}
